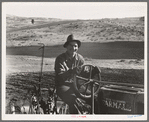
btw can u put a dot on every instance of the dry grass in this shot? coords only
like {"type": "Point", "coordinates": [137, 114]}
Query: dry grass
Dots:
{"type": "Point", "coordinates": [105, 30]}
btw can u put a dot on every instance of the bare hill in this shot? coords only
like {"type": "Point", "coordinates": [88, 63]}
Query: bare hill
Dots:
{"type": "Point", "coordinates": [15, 22]}
{"type": "Point", "coordinates": [21, 32]}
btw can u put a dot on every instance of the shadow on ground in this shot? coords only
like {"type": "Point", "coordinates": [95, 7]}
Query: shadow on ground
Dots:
{"type": "Point", "coordinates": [111, 50]}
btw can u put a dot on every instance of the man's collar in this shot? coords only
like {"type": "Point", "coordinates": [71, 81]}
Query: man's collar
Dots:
{"type": "Point", "coordinates": [67, 56]}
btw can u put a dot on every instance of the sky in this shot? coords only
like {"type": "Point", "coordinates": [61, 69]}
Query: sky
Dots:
{"type": "Point", "coordinates": [76, 10]}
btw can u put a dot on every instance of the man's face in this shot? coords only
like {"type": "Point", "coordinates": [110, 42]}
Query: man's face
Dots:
{"type": "Point", "coordinates": [72, 48]}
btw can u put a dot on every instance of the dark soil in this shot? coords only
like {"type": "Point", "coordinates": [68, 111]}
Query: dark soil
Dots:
{"type": "Point", "coordinates": [111, 50]}
{"type": "Point", "coordinates": [18, 85]}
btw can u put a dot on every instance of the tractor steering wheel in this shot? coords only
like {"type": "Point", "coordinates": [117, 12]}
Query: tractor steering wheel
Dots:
{"type": "Point", "coordinates": [82, 81]}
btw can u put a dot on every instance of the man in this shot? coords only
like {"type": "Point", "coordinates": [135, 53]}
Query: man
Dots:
{"type": "Point", "coordinates": [65, 65]}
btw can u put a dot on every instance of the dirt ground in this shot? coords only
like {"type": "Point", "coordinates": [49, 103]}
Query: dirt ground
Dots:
{"type": "Point", "coordinates": [22, 72]}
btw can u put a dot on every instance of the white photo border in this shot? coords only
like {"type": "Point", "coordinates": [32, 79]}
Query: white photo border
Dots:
{"type": "Point", "coordinates": [68, 117]}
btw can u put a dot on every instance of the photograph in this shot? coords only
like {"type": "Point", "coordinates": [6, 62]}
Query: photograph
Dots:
{"type": "Point", "coordinates": [74, 61]}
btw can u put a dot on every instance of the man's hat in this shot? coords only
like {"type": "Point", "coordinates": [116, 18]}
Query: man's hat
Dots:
{"type": "Point", "coordinates": [71, 39]}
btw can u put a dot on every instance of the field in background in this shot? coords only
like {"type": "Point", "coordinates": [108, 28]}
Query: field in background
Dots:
{"type": "Point", "coordinates": [111, 50]}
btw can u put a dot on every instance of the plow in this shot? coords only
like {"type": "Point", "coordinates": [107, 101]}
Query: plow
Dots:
{"type": "Point", "coordinates": [94, 96]}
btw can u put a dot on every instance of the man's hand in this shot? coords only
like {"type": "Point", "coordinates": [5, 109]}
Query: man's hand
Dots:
{"type": "Point", "coordinates": [76, 70]}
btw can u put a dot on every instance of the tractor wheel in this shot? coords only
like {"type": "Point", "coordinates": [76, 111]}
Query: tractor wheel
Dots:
{"type": "Point", "coordinates": [82, 81]}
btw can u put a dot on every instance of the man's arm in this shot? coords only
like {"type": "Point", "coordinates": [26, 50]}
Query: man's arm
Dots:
{"type": "Point", "coordinates": [61, 70]}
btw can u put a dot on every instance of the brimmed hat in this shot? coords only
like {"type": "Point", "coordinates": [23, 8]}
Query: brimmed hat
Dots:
{"type": "Point", "coordinates": [71, 39]}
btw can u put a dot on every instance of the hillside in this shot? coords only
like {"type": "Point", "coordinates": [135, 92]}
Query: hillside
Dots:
{"type": "Point", "coordinates": [21, 32]}
{"type": "Point", "coordinates": [13, 22]}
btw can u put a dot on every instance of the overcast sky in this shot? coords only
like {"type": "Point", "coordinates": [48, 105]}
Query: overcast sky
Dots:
{"type": "Point", "coordinates": [76, 10]}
